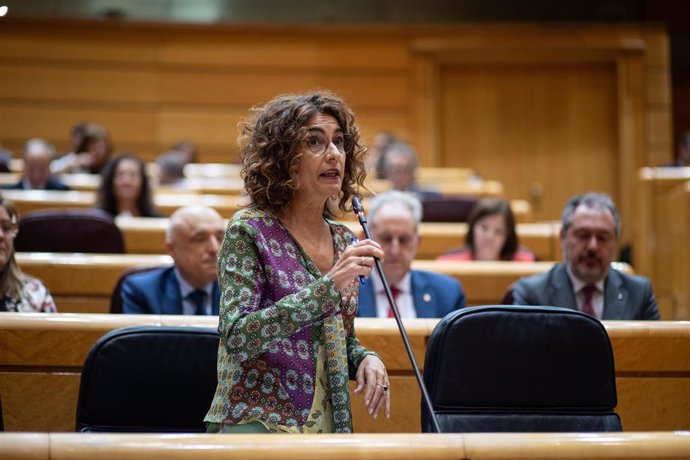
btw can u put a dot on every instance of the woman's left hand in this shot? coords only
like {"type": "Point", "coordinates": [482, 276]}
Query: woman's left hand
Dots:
{"type": "Point", "coordinates": [372, 378]}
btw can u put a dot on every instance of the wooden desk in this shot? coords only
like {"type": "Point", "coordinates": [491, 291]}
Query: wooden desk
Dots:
{"type": "Point", "coordinates": [145, 235]}
{"type": "Point", "coordinates": [83, 283]}
{"type": "Point", "coordinates": [47, 351]}
{"type": "Point", "coordinates": [167, 203]}
{"type": "Point", "coordinates": [418, 446]}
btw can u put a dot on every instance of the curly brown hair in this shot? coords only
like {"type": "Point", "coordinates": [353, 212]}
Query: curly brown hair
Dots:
{"type": "Point", "coordinates": [270, 143]}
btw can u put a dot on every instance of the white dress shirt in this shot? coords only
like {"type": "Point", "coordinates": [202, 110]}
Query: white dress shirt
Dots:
{"type": "Point", "coordinates": [405, 300]}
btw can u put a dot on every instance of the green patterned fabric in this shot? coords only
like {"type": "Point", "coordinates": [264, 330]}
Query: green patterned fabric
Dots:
{"type": "Point", "coordinates": [278, 315]}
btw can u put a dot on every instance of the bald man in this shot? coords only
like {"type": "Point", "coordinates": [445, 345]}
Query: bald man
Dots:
{"type": "Point", "coordinates": [38, 153]}
{"type": "Point", "coordinates": [189, 287]}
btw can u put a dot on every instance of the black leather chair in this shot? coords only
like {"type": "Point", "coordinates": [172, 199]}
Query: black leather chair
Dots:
{"type": "Point", "coordinates": [116, 296]}
{"type": "Point", "coordinates": [447, 208]}
{"type": "Point", "coordinates": [520, 369]}
{"type": "Point", "coordinates": [69, 230]}
{"type": "Point", "coordinates": [148, 379]}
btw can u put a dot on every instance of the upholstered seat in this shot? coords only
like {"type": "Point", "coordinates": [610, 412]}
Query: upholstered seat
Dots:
{"type": "Point", "coordinates": [514, 368]}
{"type": "Point", "coordinates": [69, 230]}
{"type": "Point", "coordinates": [148, 379]}
{"type": "Point", "coordinates": [447, 208]}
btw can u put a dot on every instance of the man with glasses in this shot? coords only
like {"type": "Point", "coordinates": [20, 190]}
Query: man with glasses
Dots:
{"type": "Point", "coordinates": [394, 219]}
{"type": "Point", "coordinates": [590, 228]}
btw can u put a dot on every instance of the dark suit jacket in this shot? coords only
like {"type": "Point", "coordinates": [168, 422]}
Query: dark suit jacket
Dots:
{"type": "Point", "coordinates": [434, 295]}
{"type": "Point", "coordinates": [53, 183]}
{"type": "Point", "coordinates": [157, 292]}
{"type": "Point", "coordinates": [625, 296]}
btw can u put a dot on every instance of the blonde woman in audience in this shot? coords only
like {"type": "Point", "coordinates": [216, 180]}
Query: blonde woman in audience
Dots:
{"type": "Point", "coordinates": [125, 189]}
{"type": "Point", "coordinates": [491, 235]}
{"type": "Point", "coordinates": [18, 292]}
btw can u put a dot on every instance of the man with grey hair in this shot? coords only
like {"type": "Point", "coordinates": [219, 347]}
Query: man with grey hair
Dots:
{"type": "Point", "coordinates": [590, 229]}
{"type": "Point", "coordinates": [399, 161]}
{"type": "Point", "coordinates": [38, 153]}
{"type": "Point", "coordinates": [394, 219]}
{"type": "Point", "coordinates": [190, 287]}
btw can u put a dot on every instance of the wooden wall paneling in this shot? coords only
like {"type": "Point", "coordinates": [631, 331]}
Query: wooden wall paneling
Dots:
{"type": "Point", "coordinates": [92, 82]}
{"type": "Point", "coordinates": [386, 90]}
{"type": "Point", "coordinates": [520, 122]}
{"type": "Point", "coordinates": [631, 132]}
{"type": "Point", "coordinates": [130, 129]}
{"type": "Point", "coordinates": [573, 108]}
{"type": "Point", "coordinates": [483, 112]}
{"type": "Point", "coordinates": [679, 226]}
{"type": "Point", "coordinates": [654, 249]}
{"type": "Point", "coordinates": [425, 117]}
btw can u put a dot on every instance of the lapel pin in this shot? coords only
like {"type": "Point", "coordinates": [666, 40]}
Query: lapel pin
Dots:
{"type": "Point", "coordinates": [427, 297]}
{"type": "Point", "coordinates": [620, 296]}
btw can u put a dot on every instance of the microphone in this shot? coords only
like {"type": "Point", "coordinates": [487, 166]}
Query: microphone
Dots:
{"type": "Point", "coordinates": [359, 212]}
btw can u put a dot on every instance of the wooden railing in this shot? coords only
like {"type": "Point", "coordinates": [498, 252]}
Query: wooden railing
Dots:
{"type": "Point", "coordinates": [594, 446]}
{"type": "Point", "coordinates": [83, 283]}
{"type": "Point", "coordinates": [145, 235]}
{"type": "Point", "coordinates": [41, 358]}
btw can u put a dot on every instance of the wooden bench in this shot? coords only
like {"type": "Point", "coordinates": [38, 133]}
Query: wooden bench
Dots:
{"type": "Point", "coordinates": [167, 203]}
{"type": "Point", "coordinates": [41, 357]}
{"type": "Point", "coordinates": [145, 235]}
{"type": "Point", "coordinates": [83, 283]}
{"type": "Point", "coordinates": [417, 446]}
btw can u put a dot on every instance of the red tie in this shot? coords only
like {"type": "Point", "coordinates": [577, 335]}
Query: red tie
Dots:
{"type": "Point", "coordinates": [587, 307]}
{"type": "Point", "coordinates": [395, 291]}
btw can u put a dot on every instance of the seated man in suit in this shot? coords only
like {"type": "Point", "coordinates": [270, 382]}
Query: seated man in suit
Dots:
{"type": "Point", "coordinates": [189, 287]}
{"type": "Point", "coordinates": [38, 154]}
{"type": "Point", "coordinates": [394, 221]}
{"type": "Point", "coordinates": [590, 228]}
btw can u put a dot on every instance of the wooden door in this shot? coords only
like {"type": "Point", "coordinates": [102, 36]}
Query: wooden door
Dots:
{"type": "Point", "coordinates": [546, 131]}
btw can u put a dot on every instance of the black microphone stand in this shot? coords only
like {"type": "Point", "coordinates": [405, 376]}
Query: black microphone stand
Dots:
{"type": "Point", "coordinates": [359, 212]}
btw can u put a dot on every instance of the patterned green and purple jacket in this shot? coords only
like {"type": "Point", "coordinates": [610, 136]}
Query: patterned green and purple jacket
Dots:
{"type": "Point", "coordinates": [278, 314]}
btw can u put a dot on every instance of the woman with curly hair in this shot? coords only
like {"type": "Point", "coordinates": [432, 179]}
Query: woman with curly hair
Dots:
{"type": "Point", "coordinates": [125, 189]}
{"type": "Point", "coordinates": [18, 292]}
{"type": "Point", "coordinates": [288, 276]}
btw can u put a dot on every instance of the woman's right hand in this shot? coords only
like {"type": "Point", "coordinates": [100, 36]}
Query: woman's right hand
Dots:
{"type": "Point", "coordinates": [356, 260]}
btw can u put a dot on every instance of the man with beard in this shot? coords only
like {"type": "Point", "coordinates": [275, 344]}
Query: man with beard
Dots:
{"type": "Point", "coordinates": [584, 281]}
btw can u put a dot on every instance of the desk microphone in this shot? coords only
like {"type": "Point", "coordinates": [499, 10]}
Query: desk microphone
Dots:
{"type": "Point", "coordinates": [359, 212]}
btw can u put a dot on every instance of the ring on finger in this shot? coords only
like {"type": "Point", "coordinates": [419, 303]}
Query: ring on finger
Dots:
{"type": "Point", "coordinates": [363, 261]}
{"type": "Point", "coordinates": [383, 387]}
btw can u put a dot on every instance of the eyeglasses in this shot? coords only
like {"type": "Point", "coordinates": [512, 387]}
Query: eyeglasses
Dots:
{"type": "Point", "coordinates": [9, 228]}
{"type": "Point", "coordinates": [318, 143]}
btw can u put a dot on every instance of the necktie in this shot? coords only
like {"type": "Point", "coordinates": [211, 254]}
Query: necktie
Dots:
{"type": "Point", "coordinates": [395, 291]}
{"type": "Point", "coordinates": [198, 297]}
{"type": "Point", "coordinates": [587, 306]}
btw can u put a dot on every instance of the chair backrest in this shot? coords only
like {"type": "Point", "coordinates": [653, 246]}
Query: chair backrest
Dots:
{"type": "Point", "coordinates": [116, 296]}
{"type": "Point", "coordinates": [520, 369]}
{"type": "Point", "coordinates": [157, 379]}
{"type": "Point", "coordinates": [447, 208]}
{"type": "Point", "coordinates": [69, 230]}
